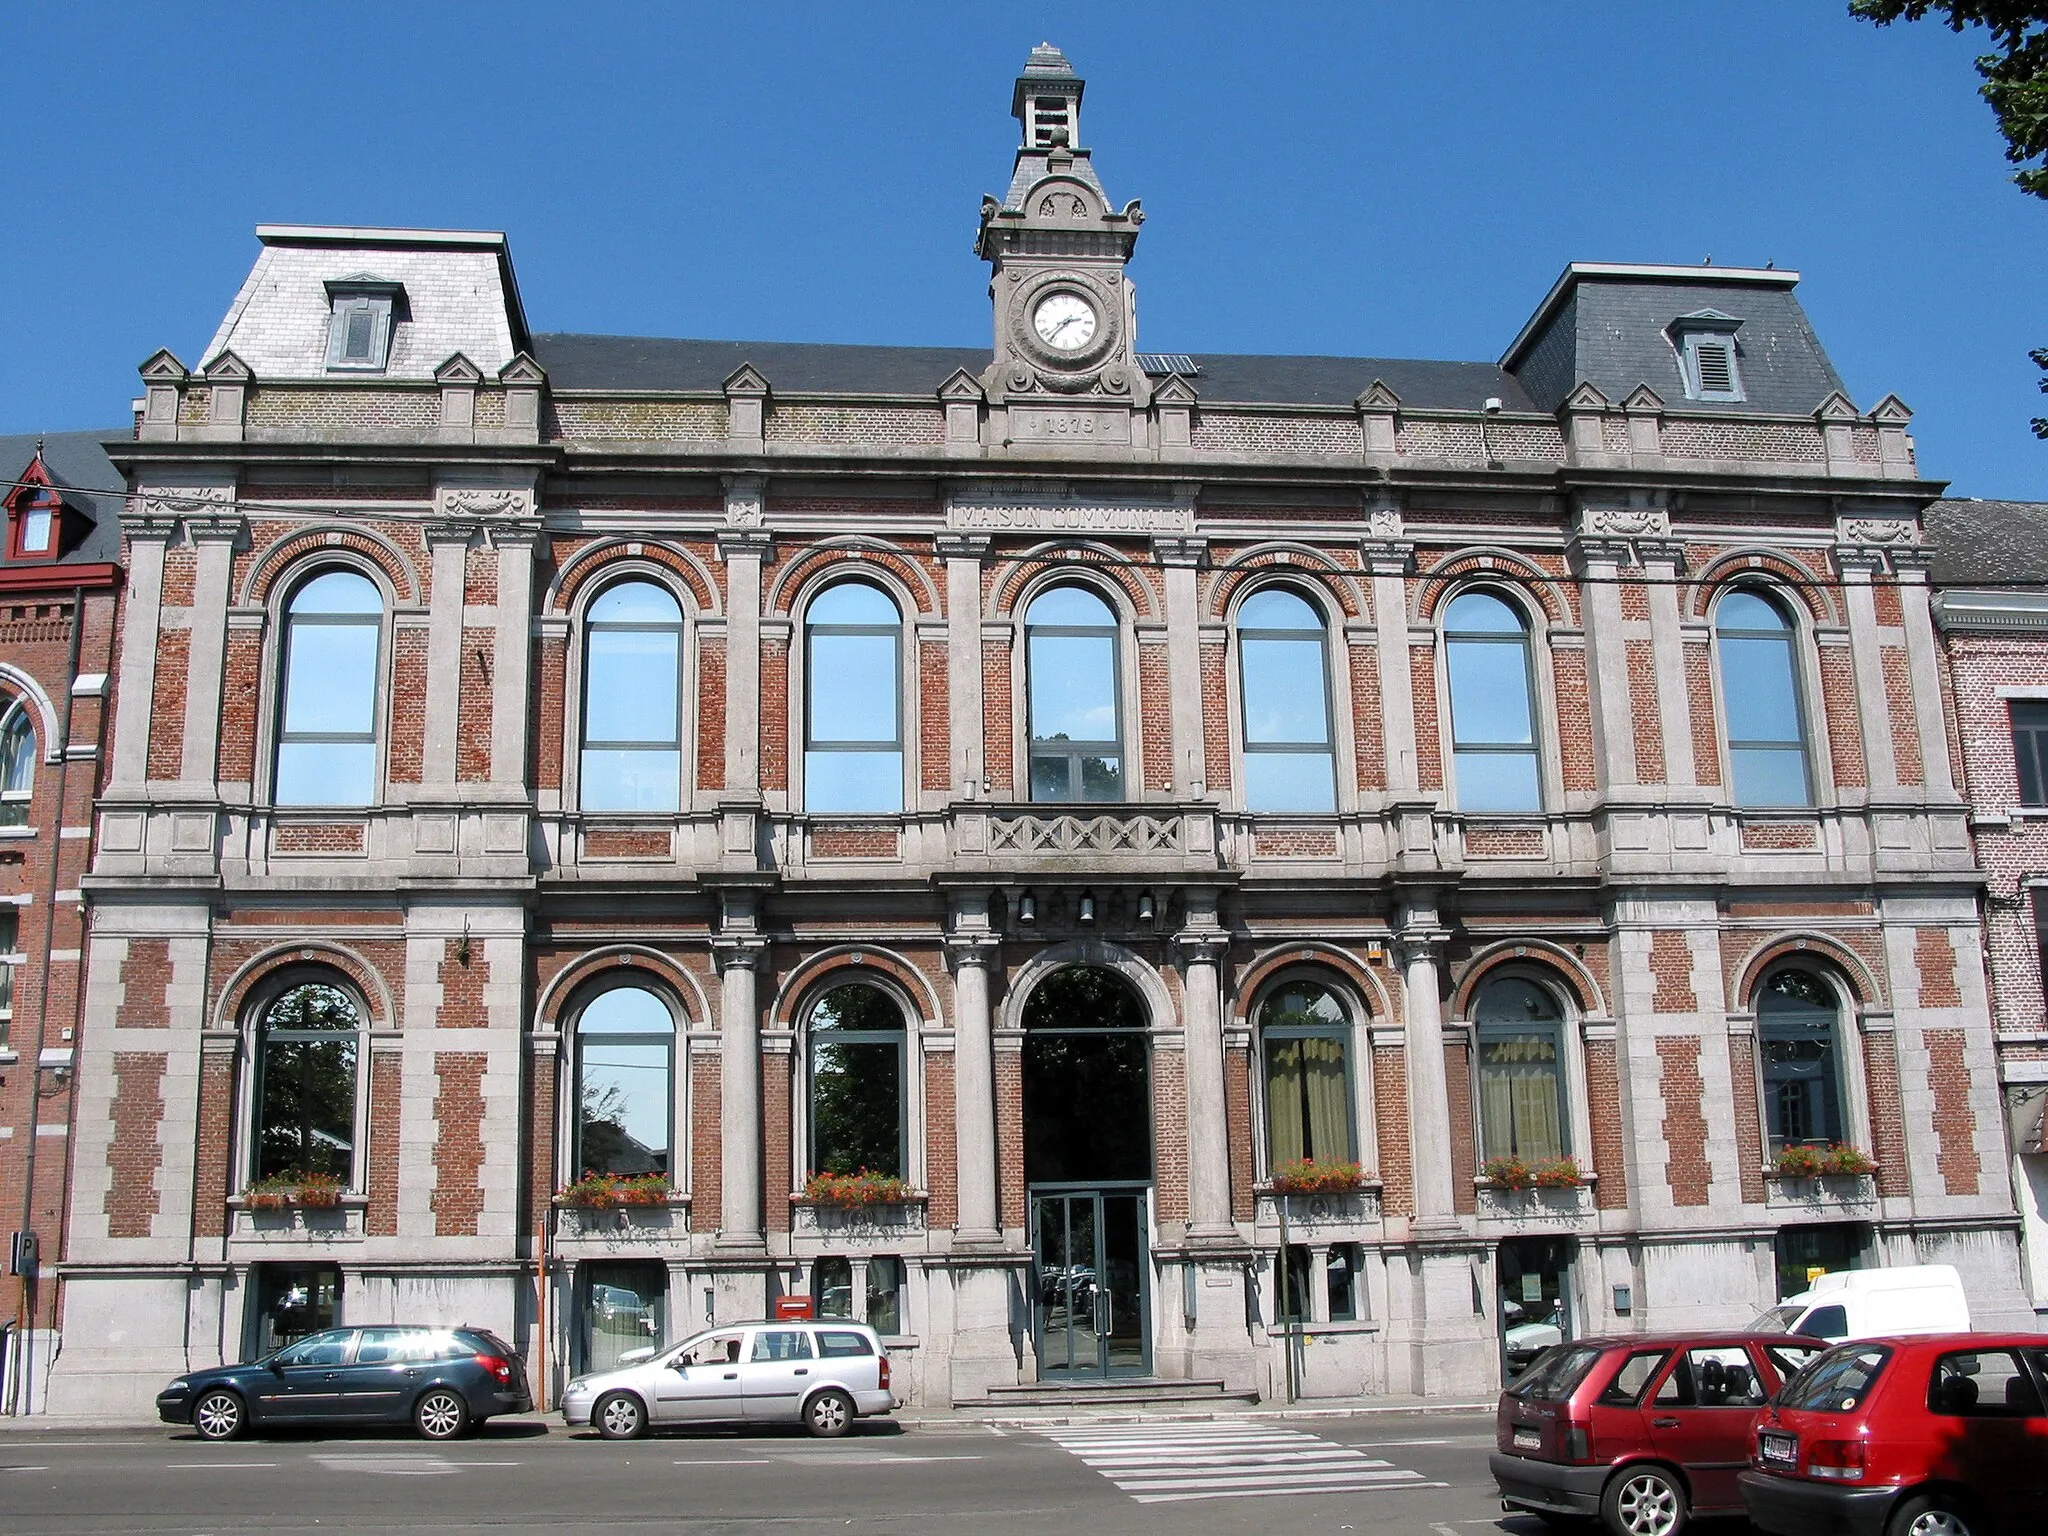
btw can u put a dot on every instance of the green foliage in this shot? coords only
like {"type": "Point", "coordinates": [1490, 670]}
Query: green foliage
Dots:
{"type": "Point", "coordinates": [860, 1188]}
{"type": "Point", "coordinates": [312, 1190]}
{"type": "Point", "coordinates": [1836, 1160]}
{"type": "Point", "coordinates": [1316, 1176]}
{"type": "Point", "coordinates": [601, 1191]}
{"type": "Point", "coordinates": [2015, 85]}
{"type": "Point", "coordinates": [1543, 1173]}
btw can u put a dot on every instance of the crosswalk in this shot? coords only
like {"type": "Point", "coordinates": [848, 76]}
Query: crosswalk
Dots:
{"type": "Point", "coordinates": [1169, 1463]}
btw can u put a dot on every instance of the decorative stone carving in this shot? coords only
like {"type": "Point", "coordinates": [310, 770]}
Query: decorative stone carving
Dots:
{"type": "Point", "coordinates": [486, 501]}
{"type": "Point", "coordinates": [1877, 530]}
{"type": "Point", "coordinates": [1624, 522]}
{"type": "Point", "coordinates": [1385, 522]}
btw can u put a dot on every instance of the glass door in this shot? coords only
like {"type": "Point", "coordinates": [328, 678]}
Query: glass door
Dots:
{"type": "Point", "coordinates": [1089, 1285]}
{"type": "Point", "coordinates": [1534, 1299]}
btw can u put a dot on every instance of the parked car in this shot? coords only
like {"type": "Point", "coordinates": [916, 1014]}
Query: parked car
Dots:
{"type": "Point", "coordinates": [442, 1381]}
{"type": "Point", "coordinates": [620, 1311]}
{"type": "Point", "coordinates": [1873, 1303]}
{"type": "Point", "coordinates": [822, 1375]}
{"type": "Point", "coordinates": [1942, 1435]}
{"type": "Point", "coordinates": [1641, 1433]}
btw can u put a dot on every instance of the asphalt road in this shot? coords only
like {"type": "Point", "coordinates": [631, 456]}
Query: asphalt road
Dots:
{"type": "Point", "coordinates": [1393, 1473]}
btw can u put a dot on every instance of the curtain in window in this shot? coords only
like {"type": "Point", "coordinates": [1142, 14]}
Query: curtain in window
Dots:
{"type": "Point", "coordinates": [1289, 762]}
{"type": "Point", "coordinates": [1493, 727]}
{"type": "Point", "coordinates": [1521, 1079]}
{"type": "Point", "coordinates": [1070, 639]}
{"type": "Point", "coordinates": [1760, 701]}
{"type": "Point", "coordinates": [625, 1062]}
{"type": "Point", "coordinates": [1308, 1085]}
{"type": "Point", "coordinates": [853, 732]}
{"type": "Point", "coordinates": [632, 700]}
{"type": "Point", "coordinates": [327, 736]}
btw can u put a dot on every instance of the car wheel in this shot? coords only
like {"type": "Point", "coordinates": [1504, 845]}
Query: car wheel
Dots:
{"type": "Point", "coordinates": [1928, 1514]}
{"type": "Point", "coordinates": [219, 1415]}
{"type": "Point", "coordinates": [1643, 1501]}
{"type": "Point", "coordinates": [440, 1415]}
{"type": "Point", "coordinates": [621, 1416]}
{"type": "Point", "coordinates": [829, 1415]}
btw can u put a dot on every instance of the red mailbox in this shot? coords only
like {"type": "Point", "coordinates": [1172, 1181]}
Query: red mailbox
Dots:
{"type": "Point", "coordinates": [792, 1306]}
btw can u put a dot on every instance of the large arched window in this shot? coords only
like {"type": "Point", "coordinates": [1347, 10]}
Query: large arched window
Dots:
{"type": "Point", "coordinates": [1760, 701]}
{"type": "Point", "coordinates": [1306, 1038]}
{"type": "Point", "coordinates": [1493, 726]}
{"type": "Point", "coordinates": [327, 735]}
{"type": "Point", "coordinates": [1797, 1021]}
{"type": "Point", "coordinates": [632, 700]}
{"type": "Point", "coordinates": [1521, 1070]}
{"type": "Point", "coordinates": [853, 693]}
{"type": "Point", "coordinates": [1087, 1077]}
{"type": "Point", "coordinates": [1289, 760]}
{"type": "Point", "coordinates": [1077, 750]}
{"type": "Point", "coordinates": [17, 763]}
{"type": "Point", "coordinates": [625, 1066]}
{"type": "Point", "coordinates": [856, 1041]}
{"type": "Point", "coordinates": [307, 1041]}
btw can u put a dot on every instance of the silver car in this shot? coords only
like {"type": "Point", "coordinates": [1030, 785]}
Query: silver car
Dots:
{"type": "Point", "coordinates": [822, 1375]}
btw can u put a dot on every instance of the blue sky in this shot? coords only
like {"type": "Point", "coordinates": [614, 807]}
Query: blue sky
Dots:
{"type": "Point", "coordinates": [1389, 179]}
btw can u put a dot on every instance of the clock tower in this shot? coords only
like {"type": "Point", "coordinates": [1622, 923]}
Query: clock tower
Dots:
{"type": "Point", "coordinates": [1065, 314]}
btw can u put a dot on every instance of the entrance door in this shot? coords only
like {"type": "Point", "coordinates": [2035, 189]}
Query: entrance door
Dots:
{"type": "Point", "coordinates": [1090, 1284]}
{"type": "Point", "coordinates": [1535, 1298]}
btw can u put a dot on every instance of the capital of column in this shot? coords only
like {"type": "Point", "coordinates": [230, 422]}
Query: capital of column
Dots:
{"type": "Point", "coordinates": [973, 950]}
{"type": "Point", "coordinates": [451, 531]}
{"type": "Point", "coordinates": [1419, 943]}
{"type": "Point", "coordinates": [744, 544]}
{"type": "Point", "coordinates": [221, 528]}
{"type": "Point", "coordinates": [743, 954]}
{"type": "Point", "coordinates": [961, 546]}
{"type": "Point", "coordinates": [1201, 946]}
{"type": "Point", "coordinates": [1180, 549]}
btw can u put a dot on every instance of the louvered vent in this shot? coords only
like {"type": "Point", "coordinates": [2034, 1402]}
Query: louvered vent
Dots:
{"type": "Point", "coordinates": [1717, 369]}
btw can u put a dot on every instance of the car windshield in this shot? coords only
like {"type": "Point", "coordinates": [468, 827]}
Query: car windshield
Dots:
{"type": "Point", "coordinates": [1554, 1373]}
{"type": "Point", "coordinates": [1777, 1320]}
{"type": "Point", "coordinates": [1836, 1381]}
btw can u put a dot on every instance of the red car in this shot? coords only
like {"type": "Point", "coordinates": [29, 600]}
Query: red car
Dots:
{"type": "Point", "coordinates": [1640, 1432]}
{"type": "Point", "coordinates": [1940, 1435]}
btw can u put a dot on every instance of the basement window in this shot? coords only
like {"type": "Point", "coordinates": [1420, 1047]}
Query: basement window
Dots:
{"type": "Point", "coordinates": [365, 312]}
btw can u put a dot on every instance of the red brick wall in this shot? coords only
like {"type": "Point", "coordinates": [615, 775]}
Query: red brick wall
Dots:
{"type": "Point", "coordinates": [1464, 1141]}
{"type": "Point", "coordinates": [458, 1197]}
{"type": "Point", "coordinates": [1649, 723]}
{"type": "Point", "coordinates": [777, 1158]}
{"type": "Point", "coordinates": [1671, 964]}
{"type": "Point", "coordinates": [1686, 1168]}
{"type": "Point", "coordinates": [1390, 1113]}
{"type": "Point", "coordinates": [1887, 1119]}
{"type": "Point", "coordinates": [1237, 1113]}
{"type": "Point", "coordinates": [617, 843]}
{"type": "Point", "coordinates": [1706, 740]}
{"type": "Point", "coordinates": [1429, 752]}
{"type": "Point", "coordinates": [551, 673]}
{"type": "Point", "coordinates": [1845, 738]}
{"type": "Point", "coordinates": [711, 714]}
{"type": "Point", "coordinates": [240, 682]}
{"type": "Point", "coordinates": [214, 1149]}
{"type": "Point", "coordinates": [1368, 735]}
{"type": "Point", "coordinates": [181, 574]}
{"type": "Point", "coordinates": [853, 841]}
{"type": "Point", "coordinates": [1009, 1067]}
{"type": "Point", "coordinates": [462, 986]}
{"type": "Point", "coordinates": [479, 577]}
{"type": "Point", "coordinates": [145, 974]}
{"type": "Point", "coordinates": [167, 705]}
{"type": "Point", "coordinates": [706, 1210]}
{"type": "Point", "coordinates": [386, 1083]}
{"type": "Point", "coordinates": [1603, 1111]}
{"type": "Point", "coordinates": [774, 717]}
{"type": "Point", "coordinates": [408, 706]}
{"type": "Point", "coordinates": [1155, 715]}
{"type": "Point", "coordinates": [998, 748]}
{"type": "Point", "coordinates": [940, 1174]}
{"type": "Point", "coordinates": [1935, 956]}
{"type": "Point", "coordinates": [934, 722]}
{"type": "Point", "coordinates": [1170, 1134]}
{"type": "Point", "coordinates": [473, 707]}
{"type": "Point", "coordinates": [1215, 714]}
{"type": "Point", "coordinates": [1898, 692]}
{"type": "Point", "coordinates": [1749, 1129]}
{"type": "Point", "coordinates": [1575, 719]}
{"type": "Point", "coordinates": [1955, 1122]}
{"type": "Point", "coordinates": [135, 1154]}
{"type": "Point", "coordinates": [320, 837]}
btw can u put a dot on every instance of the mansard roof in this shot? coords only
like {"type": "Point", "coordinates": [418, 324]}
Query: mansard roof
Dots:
{"type": "Point", "coordinates": [576, 361]}
{"type": "Point", "coordinates": [1988, 542]}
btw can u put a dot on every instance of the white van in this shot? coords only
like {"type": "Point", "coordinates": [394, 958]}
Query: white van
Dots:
{"type": "Point", "coordinates": [1874, 1303]}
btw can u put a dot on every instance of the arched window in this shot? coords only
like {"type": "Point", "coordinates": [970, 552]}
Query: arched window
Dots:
{"type": "Point", "coordinates": [327, 736]}
{"type": "Point", "coordinates": [17, 763]}
{"type": "Point", "coordinates": [1077, 751]}
{"type": "Point", "coordinates": [1493, 726]}
{"type": "Point", "coordinates": [1760, 700]}
{"type": "Point", "coordinates": [1796, 1022]}
{"type": "Point", "coordinates": [1289, 761]}
{"type": "Point", "coordinates": [1521, 1072]}
{"type": "Point", "coordinates": [853, 693]}
{"type": "Point", "coordinates": [307, 1041]}
{"type": "Point", "coordinates": [625, 1065]}
{"type": "Point", "coordinates": [632, 700]}
{"type": "Point", "coordinates": [1306, 1038]}
{"type": "Point", "coordinates": [856, 1050]}
{"type": "Point", "coordinates": [1087, 1079]}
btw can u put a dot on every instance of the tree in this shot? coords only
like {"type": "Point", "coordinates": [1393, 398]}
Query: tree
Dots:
{"type": "Point", "coordinates": [2015, 85]}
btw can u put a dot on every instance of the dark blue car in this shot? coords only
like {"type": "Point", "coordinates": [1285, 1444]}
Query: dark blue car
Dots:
{"type": "Point", "coordinates": [442, 1381]}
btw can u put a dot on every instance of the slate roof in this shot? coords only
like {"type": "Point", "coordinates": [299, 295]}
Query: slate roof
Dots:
{"type": "Point", "coordinates": [576, 361]}
{"type": "Point", "coordinates": [79, 465]}
{"type": "Point", "coordinates": [1986, 542]}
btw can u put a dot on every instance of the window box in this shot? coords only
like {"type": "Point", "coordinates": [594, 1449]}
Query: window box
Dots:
{"type": "Point", "coordinates": [904, 1216]}
{"type": "Point", "coordinates": [1837, 1160]}
{"type": "Point", "coordinates": [1328, 1212]}
{"type": "Point", "coordinates": [605, 1191]}
{"type": "Point", "coordinates": [1517, 1174]}
{"type": "Point", "coordinates": [1819, 1192]}
{"type": "Point", "coordinates": [854, 1190]}
{"type": "Point", "coordinates": [1534, 1203]}
{"type": "Point", "coordinates": [283, 1191]}
{"type": "Point", "coordinates": [638, 1223]}
{"type": "Point", "coordinates": [1316, 1176]}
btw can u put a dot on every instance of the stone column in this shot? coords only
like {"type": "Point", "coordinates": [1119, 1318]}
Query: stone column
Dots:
{"type": "Point", "coordinates": [1921, 654]}
{"type": "Point", "coordinates": [448, 552]}
{"type": "Point", "coordinates": [974, 1084]}
{"type": "Point", "coordinates": [148, 530]}
{"type": "Point", "coordinates": [1181, 557]}
{"type": "Point", "coordinates": [1386, 556]}
{"type": "Point", "coordinates": [213, 539]}
{"type": "Point", "coordinates": [1662, 559]}
{"type": "Point", "coordinates": [963, 553]}
{"type": "Point", "coordinates": [1867, 661]}
{"type": "Point", "coordinates": [742, 546]}
{"type": "Point", "coordinates": [1202, 944]}
{"type": "Point", "coordinates": [1417, 944]}
{"type": "Point", "coordinates": [1596, 558]}
{"type": "Point", "coordinates": [511, 706]}
{"type": "Point", "coordinates": [739, 1122]}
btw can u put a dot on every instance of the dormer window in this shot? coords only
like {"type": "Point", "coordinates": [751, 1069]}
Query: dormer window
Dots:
{"type": "Point", "coordinates": [37, 526]}
{"type": "Point", "coordinates": [1707, 355]}
{"type": "Point", "coordinates": [364, 314]}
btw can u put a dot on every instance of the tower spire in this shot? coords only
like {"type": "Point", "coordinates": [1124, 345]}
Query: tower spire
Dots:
{"type": "Point", "coordinates": [1047, 100]}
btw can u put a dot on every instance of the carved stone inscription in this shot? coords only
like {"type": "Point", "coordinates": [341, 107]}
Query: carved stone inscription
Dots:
{"type": "Point", "coordinates": [1069, 517]}
{"type": "Point", "coordinates": [1029, 424]}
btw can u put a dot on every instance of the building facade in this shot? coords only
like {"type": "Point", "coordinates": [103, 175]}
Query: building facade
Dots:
{"type": "Point", "coordinates": [59, 539]}
{"type": "Point", "coordinates": [603, 833]}
{"type": "Point", "coordinates": [1991, 572]}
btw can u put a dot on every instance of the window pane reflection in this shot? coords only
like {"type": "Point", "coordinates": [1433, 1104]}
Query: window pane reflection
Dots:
{"type": "Point", "coordinates": [1071, 688]}
{"type": "Point", "coordinates": [327, 716]}
{"type": "Point", "coordinates": [625, 1055]}
{"type": "Point", "coordinates": [856, 1060]}
{"type": "Point", "coordinates": [1493, 724]}
{"type": "Point", "coordinates": [632, 700]}
{"type": "Point", "coordinates": [1796, 1026]}
{"type": "Point", "coordinates": [306, 1084]}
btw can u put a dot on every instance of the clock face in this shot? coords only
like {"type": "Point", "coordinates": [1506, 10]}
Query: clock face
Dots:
{"type": "Point", "coordinates": [1065, 322]}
